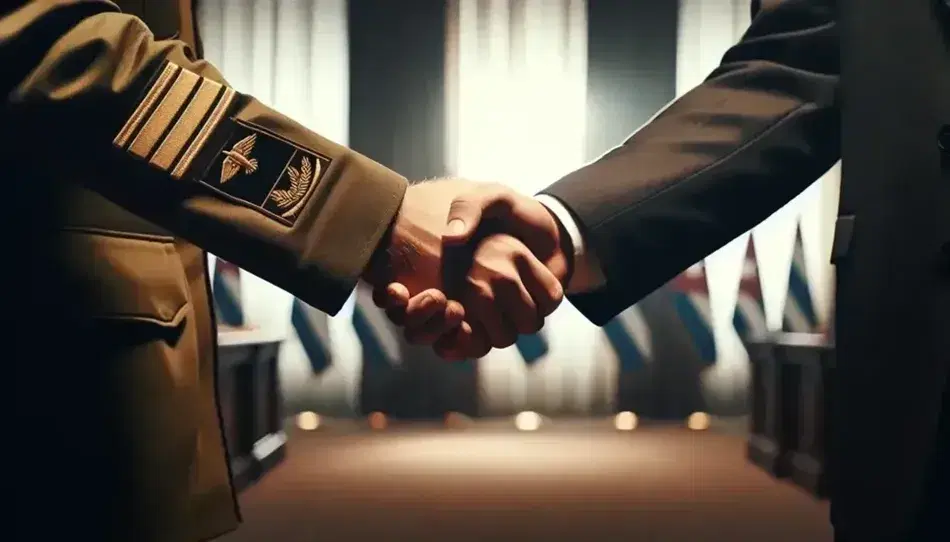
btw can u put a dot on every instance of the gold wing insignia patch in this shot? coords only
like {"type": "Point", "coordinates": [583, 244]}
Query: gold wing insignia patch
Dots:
{"type": "Point", "coordinates": [292, 199]}
{"type": "Point", "coordinates": [262, 170]}
{"type": "Point", "coordinates": [238, 159]}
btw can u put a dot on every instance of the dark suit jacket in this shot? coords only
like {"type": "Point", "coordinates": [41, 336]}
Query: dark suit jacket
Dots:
{"type": "Point", "coordinates": [812, 81]}
{"type": "Point", "coordinates": [123, 154]}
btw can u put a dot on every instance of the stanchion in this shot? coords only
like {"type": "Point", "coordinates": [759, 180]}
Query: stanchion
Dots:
{"type": "Point", "coordinates": [815, 359]}
{"type": "Point", "coordinates": [791, 395]}
{"type": "Point", "coordinates": [765, 446]}
{"type": "Point", "coordinates": [251, 402]}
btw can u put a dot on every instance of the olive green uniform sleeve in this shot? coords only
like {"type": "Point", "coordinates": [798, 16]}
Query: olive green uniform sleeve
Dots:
{"type": "Point", "coordinates": [92, 97]}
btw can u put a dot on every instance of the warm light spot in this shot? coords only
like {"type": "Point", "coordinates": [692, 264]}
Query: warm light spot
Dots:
{"type": "Point", "coordinates": [528, 421]}
{"type": "Point", "coordinates": [698, 421]}
{"type": "Point", "coordinates": [377, 420]}
{"type": "Point", "coordinates": [625, 421]}
{"type": "Point", "coordinates": [308, 421]}
{"type": "Point", "coordinates": [456, 420]}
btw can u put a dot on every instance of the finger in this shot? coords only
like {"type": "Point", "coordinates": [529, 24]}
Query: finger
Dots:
{"type": "Point", "coordinates": [465, 214]}
{"type": "Point", "coordinates": [424, 306]}
{"type": "Point", "coordinates": [540, 283]}
{"type": "Point", "coordinates": [469, 341]}
{"type": "Point", "coordinates": [393, 295]}
{"type": "Point", "coordinates": [517, 305]}
{"type": "Point", "coordinates": [521, 216]}
{"type": "Point", "coordinates": [485, 311]}
{"type": "Point", "coordinates": [459, 343]}
{"type": "Point", "coordinates": [508, 332]}
{"type": "Point", "coordinates": [479, 344]}
{"type": "Point", "coordinates": [454, 315]}
{"type": "Point", "coordinates": [396, 300]}
{"type": "Point", "coordinates": [438, 325]}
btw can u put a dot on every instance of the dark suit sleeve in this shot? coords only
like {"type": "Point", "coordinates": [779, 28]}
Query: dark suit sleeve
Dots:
{"type": "Point", "coordinates": [717, 161]}
{"type": "Point", "coordinates": [92, 97]}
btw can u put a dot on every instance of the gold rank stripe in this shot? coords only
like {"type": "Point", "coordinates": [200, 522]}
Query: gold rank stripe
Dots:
{"type": "Point", "coordinates": [214, 119]}
{"type": "Point", "coordinates": [179, 113]}
{"type": "Point", "coordinates": [153, 94]}
{"type": "Point", "coordinates": [161, 118]}
{"type": "Point", "coordinates": [187, 124]}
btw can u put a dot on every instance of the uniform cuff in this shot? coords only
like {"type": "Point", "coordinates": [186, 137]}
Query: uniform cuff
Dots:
{"type": "Point", "coordinates": [356, 215]}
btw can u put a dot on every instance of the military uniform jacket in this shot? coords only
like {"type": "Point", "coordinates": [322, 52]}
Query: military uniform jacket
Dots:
{"type": "Point", "coordinates": [124, 154]}
{"type": "Point", "coordinates": [813, 81]}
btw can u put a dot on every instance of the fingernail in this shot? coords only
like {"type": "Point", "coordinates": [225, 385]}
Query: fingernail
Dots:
{"type": "Point", "coordinates": [456, 226]}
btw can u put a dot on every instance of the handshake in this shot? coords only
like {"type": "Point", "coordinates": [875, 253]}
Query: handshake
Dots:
{"type": "Point", "coordinates": [467, 267]}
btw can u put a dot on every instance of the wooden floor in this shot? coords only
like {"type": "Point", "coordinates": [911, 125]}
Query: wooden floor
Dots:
{"type": "Point", "coordinates": [568, 481]}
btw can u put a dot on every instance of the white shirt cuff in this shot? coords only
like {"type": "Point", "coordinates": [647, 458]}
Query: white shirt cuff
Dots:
{"type": "Point", "coordinates": [587, 272]}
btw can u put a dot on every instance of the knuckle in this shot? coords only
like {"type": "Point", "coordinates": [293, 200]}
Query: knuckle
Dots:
{"type": "Point", "coordinates": [497, 194]}
{"type": "Point", "coordinates": [454, 311]}
{"type": "Point", "coordinates": [492, 188]}
{"type": "Point", "coordinates": [504, 278]}
{"type": "Point", "coordinates": [557, 293]}
{"type": "Point", "coordinates": [435, 297]}
{"type": "Point", "coordinates": [482, 291]}
{"type": "Point", "coordinates": [460, 201]}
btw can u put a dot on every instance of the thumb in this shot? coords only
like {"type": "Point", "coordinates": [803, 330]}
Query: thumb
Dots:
{"type": "Point", "coordinates": [463, 219]}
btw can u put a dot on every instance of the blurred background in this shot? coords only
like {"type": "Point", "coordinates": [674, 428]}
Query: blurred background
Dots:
{"type": "Point", "coordinates": [519, 92]}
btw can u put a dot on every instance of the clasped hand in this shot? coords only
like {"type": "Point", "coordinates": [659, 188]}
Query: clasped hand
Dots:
{"type": "Point", "coordinates": [468, 267]}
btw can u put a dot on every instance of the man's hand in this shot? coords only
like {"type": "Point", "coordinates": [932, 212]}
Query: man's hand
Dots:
{"type": "Point", "coordinates": [514, 281]}
{"type": "Point", "coordinates": [451, 212]}
{"type": "Point", "coordinates": [506, 291]}
{"type": "Point", "coordinates": [502, 209]}
{"type": "Point", "coordinates": [429, 317]}
{"type": "Point", "coordinates": [411, 251]}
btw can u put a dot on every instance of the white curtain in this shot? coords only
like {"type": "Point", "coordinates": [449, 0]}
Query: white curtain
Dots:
{"type": "Point", "coordinates": [291, 55]}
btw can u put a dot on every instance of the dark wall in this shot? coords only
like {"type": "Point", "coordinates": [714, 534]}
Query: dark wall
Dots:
{"type": "Point", "coordinates": [631, 61]}
{"type": "Point", "coordinates": [397, 80]}
{"type": "Point", "coordinates": [397, 117]}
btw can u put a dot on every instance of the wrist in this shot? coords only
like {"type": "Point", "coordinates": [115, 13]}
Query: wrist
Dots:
{"type": "Point", "coordinates": [410, 249]}
{"type": "Point", "coordinates": [380, 270]}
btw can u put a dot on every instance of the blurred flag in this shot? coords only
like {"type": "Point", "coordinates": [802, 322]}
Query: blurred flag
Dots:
{"type": "Point", "coordinates": [532, 347]}
{"type": "Point", "coordinates": [226, 291]}
{"type": "Point", "coordinates": [800, 315]}
{"type": "Point", "coordinates": [691, 299]}
{"type": "Point", "coordinates": [312, 330]}
{"type": "Point", "coordinates": [749, 316]}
